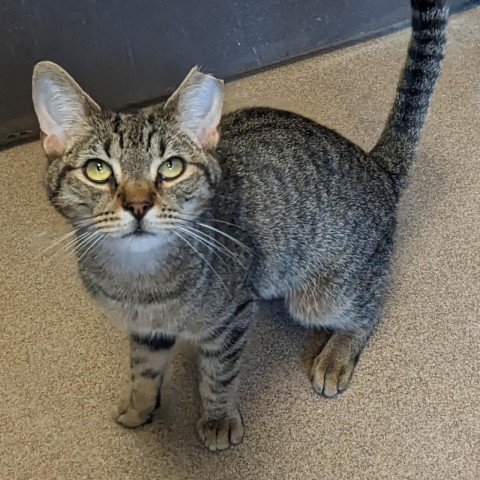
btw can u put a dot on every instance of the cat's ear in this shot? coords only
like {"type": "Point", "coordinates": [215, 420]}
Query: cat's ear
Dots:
{"type": "Point", "coordinates": [198, 105]}
{"type": "Point", "coordinates": [63, 109]}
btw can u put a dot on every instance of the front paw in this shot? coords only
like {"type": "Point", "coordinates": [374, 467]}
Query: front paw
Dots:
{"type": "Point", "coordinates": [220, 434]}
{"type": "Point", "coordinates": [133, 411]}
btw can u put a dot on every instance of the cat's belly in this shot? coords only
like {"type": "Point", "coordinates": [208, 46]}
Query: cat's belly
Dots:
{"type": "Point", "coordinates": [273, 280]}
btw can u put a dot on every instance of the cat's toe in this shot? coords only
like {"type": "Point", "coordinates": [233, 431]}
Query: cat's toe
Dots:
{"type": "Point", "coordinates": [222, 433]}
{"type": "Point", "coordinates": [127, 416]}
{"type": "Point", "coordinates": [332, 371]}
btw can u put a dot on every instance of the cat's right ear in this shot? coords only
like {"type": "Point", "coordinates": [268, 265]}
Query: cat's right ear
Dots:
{"type": "Point", "coordinates": [62, 107]}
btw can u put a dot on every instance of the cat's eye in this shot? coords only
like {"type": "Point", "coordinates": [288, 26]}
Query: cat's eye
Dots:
{"type": "Point", "coordinates": [98, 171]}
{"type": "Point", "coordinates": [171, 169]}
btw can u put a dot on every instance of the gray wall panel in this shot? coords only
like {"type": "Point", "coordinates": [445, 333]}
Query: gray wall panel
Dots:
{"type": "Point", "coordinates": [131, 52]}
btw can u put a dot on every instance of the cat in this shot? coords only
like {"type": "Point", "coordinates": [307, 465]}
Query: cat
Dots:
{"type": "Point", "coordinates": [185, 221]}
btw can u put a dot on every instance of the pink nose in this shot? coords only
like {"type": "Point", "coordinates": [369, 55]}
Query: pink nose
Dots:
{"type": "Point", "coordinates": [137, 209]}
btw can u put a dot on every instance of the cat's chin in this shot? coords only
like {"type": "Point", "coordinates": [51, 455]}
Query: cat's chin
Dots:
{"type": "Point", "coordinates": [147, 242]}
{"type": "Point", "coordinates": [136, 254]}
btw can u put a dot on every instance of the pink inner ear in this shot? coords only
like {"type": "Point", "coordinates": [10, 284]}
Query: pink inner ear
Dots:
{"type": "Point", "coordinates": [53, 145]}
{"type": "Point", "coordinates": [209, 138]}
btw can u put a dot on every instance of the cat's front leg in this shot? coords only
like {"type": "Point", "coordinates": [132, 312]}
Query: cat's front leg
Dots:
{"type": "Point", "coordinates": [149, 358]}
{"type": "Point", "coordinates": [221, 424]}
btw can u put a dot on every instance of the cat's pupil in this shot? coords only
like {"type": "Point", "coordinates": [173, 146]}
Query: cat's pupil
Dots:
{"type": "Point", "coordinates": [169, 164]}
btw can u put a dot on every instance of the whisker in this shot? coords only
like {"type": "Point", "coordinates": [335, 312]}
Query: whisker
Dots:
{"type": "Point", "coordinates": [210, 246]}
{"type": "Point", "coordinates": [227, 223]}
{"type": "Point", "coordinates": [238, 242]}
{"type": "Point", "coordinates": [204, 259]}
{"type": "Point", "coordinates": [85, 236]}
{"type": "Point", "coordinates": [89, 247]}
{"type": "Point", "coordinates": [194, 222]}
{"type": "Point", "coordinates": [80, 240]}
{"type": "Point", "coordinates": [211, 220]}
{"type": "Point", "coordinates": [198, 215]}
{"type": "Point", "coordinates": [67, 245]}
{"type": "Point", "coordinates": [56, 242]}
{"type": "Point", "coordinates": [215, 243]}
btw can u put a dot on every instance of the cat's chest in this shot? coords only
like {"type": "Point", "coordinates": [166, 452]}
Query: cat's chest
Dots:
{"type": "Point", "coordinates": [139, 300]}
{"type": "Point", "coordinates": [170, 317]}
{"type": "Point", "coordinates": [141, 305]}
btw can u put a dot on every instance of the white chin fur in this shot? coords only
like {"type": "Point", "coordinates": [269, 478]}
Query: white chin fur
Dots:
{"type": "Point", "coordinates": [142, 244]}
{"type": "Point", "coordinates": [137, 254]}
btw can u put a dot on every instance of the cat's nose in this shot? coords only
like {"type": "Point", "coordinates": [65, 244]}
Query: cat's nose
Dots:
{"type": "Point", "coordinates": [138, 209]}
{"type": "Point", "coordinates": [137, 197]}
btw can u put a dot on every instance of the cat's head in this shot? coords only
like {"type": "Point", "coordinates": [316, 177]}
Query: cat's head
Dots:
{"type": "Point", "coordinates": [130, 177]}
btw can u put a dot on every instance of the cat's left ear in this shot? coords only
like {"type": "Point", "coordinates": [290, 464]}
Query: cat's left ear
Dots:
{"type": "Point", "coordinates": [198, 103]}
{"type": "Point", "coordinates": [63, 109]}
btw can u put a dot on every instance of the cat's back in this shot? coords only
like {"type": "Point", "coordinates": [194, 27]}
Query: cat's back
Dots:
{"type": "Point", "coordinates": [300, 190]}
{"type": "Point", "coordinates": [269, 147]}
{"type": "Point", "coordinates": [251, 128]}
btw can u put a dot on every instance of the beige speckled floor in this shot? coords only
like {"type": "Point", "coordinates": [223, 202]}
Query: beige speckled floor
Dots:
{"type": "Point", "coordinates": [413, 409]}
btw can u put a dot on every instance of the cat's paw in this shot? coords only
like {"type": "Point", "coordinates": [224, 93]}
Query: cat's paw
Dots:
{"type": "Point", "coordinates": [332, 369]}
{"type": "Point", "coordinates": [222, 433]}
{"type": "Point", "coordinates": [125, 414]}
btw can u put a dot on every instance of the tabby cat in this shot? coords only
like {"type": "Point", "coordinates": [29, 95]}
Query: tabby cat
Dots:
{"type": "Point", "coordinates": [186, 220]}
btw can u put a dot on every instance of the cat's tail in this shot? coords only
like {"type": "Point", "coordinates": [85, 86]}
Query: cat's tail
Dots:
{"type": "Point", "coordinates": [397, 145]}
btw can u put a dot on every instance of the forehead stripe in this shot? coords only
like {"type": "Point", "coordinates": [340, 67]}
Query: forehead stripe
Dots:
{"type": "Point", "coordinates": [107, 145]}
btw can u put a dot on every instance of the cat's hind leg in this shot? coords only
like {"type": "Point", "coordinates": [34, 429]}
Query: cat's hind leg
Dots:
{"type": "Point", "coordinates": [333, 367]}
{"type": "Point", "coordinates": [323, 305]}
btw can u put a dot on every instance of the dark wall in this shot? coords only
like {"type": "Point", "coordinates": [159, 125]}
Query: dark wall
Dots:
{"type": "Point", "coordinates": [130, 52]}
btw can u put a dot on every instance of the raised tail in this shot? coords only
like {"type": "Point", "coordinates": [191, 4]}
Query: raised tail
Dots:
{"type": "Point", "coordinates": [397, 145]}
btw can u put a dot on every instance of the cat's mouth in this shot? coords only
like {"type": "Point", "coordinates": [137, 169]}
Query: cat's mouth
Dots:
{"type": "Point", "coordinates": [139, 232]}
{"type": "Point", "coordinates": [140, 241]}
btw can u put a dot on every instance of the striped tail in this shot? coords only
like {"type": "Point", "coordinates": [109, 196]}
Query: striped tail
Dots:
{"type": "Point", "coordinates": [397, 145]}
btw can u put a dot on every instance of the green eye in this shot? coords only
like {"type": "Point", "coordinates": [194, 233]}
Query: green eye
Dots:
{"type": "Point", "coordinates": [98, 171]}
{"type": "Point", "coordinates": [171, 168]}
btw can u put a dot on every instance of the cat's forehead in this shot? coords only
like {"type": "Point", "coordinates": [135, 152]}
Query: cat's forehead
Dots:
{"type": "Point", "coordinates": [135, 140]}
{"type": "Point", "coordinates": [133, 130]}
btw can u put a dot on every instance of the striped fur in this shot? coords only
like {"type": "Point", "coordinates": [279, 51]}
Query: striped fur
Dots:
{"type": "Point", "coordinates": [397, 145]}
{"type": "Point", "coordinates": [150, 357]}
{"type": "Point", "coordinates": [269, 205]}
